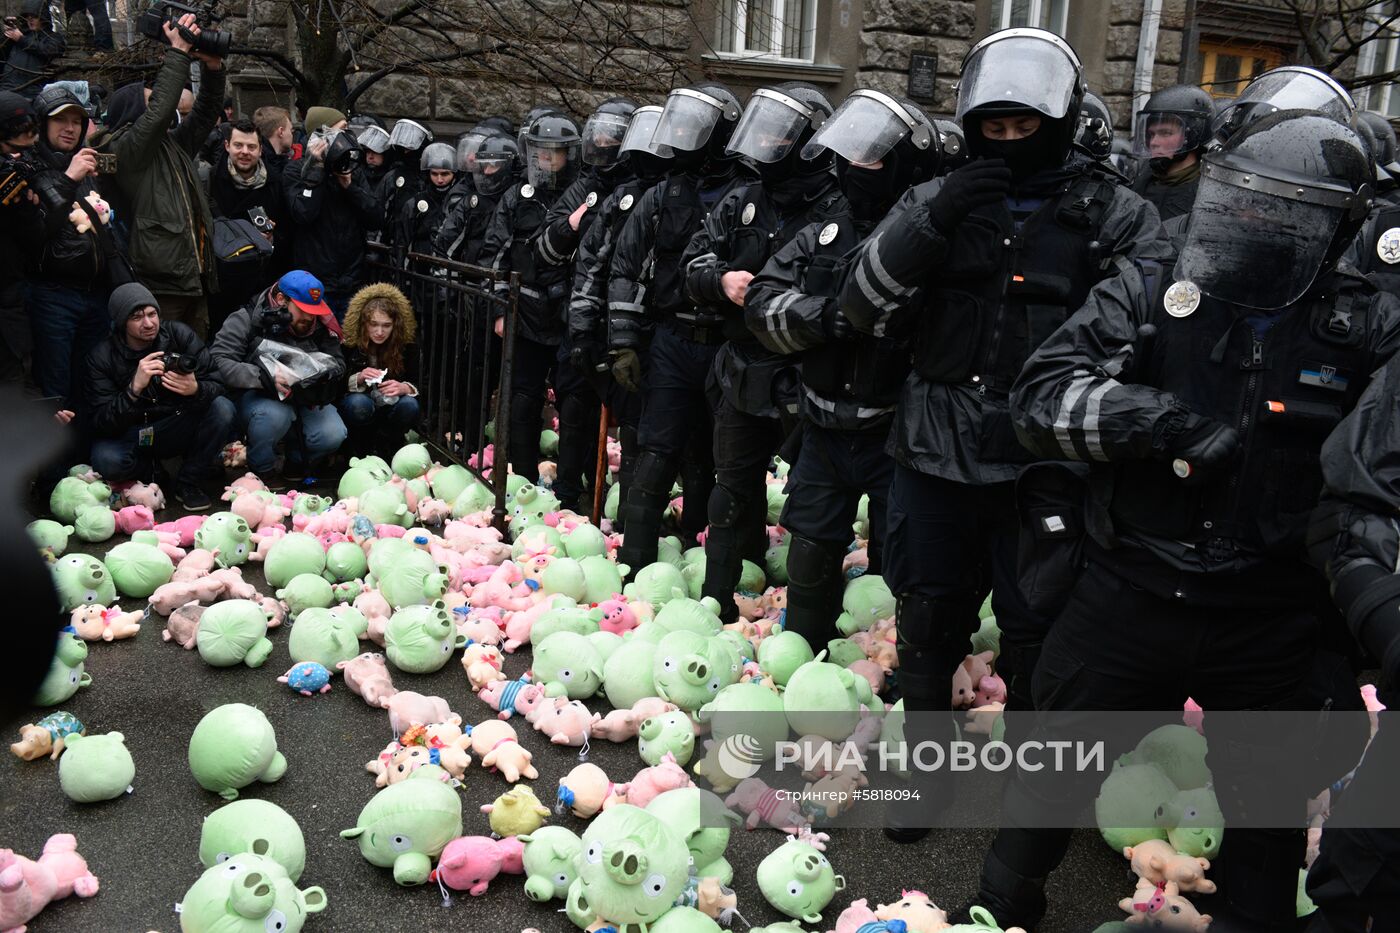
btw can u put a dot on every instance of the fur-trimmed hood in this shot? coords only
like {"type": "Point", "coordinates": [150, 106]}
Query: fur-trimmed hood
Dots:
{"type": "Point", "coordinates": [356, 316]}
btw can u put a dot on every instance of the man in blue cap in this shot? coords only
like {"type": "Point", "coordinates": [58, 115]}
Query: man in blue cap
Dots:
{"type": "Point", "coordinates": [281, 361]}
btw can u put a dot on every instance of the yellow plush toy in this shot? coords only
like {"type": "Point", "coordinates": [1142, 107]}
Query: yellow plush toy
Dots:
{"type": "Point", "coordinates": [518, 812]}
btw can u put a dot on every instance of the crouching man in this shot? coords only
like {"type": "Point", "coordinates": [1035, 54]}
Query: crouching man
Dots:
{"type": "Point", "coordinates": [151, 395]}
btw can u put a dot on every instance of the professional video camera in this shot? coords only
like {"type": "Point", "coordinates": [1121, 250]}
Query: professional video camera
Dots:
{"type": "Point", "coordinates": [210, 41]}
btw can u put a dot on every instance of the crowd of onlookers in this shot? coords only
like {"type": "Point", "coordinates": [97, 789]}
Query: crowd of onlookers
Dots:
{"type": "Point", "coordinates": [176, 276]}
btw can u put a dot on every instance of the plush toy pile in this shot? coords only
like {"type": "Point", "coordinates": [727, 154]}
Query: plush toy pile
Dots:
{"type": "Point", "coordinates": [403, 573]}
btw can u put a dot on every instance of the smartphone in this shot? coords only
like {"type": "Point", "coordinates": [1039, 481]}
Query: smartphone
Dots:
{"type": "Point", "coordinates": [106, 163]}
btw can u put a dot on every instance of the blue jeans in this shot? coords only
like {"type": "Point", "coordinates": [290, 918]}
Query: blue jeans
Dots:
{"type": "Point", "coordinates": [198, 435]}
{"type": "Point", "coordinates": [67, 324]}
{"type": "Point", "coordinates": [265, 421]}
{"type": "Point", "coordinates": [379, 425]}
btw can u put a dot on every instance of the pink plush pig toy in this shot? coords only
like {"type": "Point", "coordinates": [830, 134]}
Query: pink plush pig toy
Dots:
{"type": "Point", "coordinates": [470, 863]}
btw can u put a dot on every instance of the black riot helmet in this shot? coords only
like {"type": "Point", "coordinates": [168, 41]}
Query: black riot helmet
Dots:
{"type": "Point", "coordinates": [952, 143]}
{"type": "Point", "coordinates": [648, 159]}
{"type": "Point", "coordinates": [1022, 71]}
{"type": "Point", "coordinates": [1175, 122]}
{"type": "Point", "coordinates": [604, 131]}
{"type": "Point", "coordinates": [469, 142]}
{"type": "Point", "coordinates": [1380, 128]}
{"type": "Point", "coordinates": [552, 152]}
{"type": "Point", "coordinates": [1095, 134]}
{"type": "Point", "coordinates": [496, 164]}
{"type": "Point", "coordinates": [438, 157]}
{"type": "Point", "coordinates": [364, 119]}
{"type": "Point", "coordinates": [409, 137]}
{"type": "Point", "coordinates": [372, 138]}
{"type": "Point", "coordinates": [698, 122]}
{"type": "Point", "coordinates": [531, 116]}
{"type": "Point", "coordinates": [499, 122]}
{"type": "Point", "coordinates": [777, 124]}
{"type": "Point", "coordinates": [881, 146]}
{"type": "Point", "coordinates": [1277, 205]}
{"type": "Point", "coordinates": [1292, 87]}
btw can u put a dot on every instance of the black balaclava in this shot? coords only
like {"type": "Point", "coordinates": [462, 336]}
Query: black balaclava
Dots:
{"type": "Point", "coordinates": [871, 192]}
{"type": "Point", "coordinates": [1043, 150]}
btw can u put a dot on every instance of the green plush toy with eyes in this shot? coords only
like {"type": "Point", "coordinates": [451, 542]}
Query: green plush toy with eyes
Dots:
{"type": "Point", "coordinates": [408, 824]}
{"type": "Point", "coordinates": [633, 866]}
{"type": "Point", "coordinates": [257, 826]}
{"type": "Point", "coordinates": [568, 665]}
{"type": "Point", "coordinates": [797, 880]}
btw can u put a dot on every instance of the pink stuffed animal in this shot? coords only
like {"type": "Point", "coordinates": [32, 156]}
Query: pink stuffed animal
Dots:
{"type": "Point", "coordinates": [258, 512]}
{"type": "Point", "coordinates": [367, 676]}
{"type": "Point", "coordinates": [587, 791]}
{"type": "Point", "coordinates": [871, 671]}
{"type": "Point", "coordinates": [248, 482]}
{"type": "Point", "coordinates": [620, 725]}
{"type": "Point", "coordinates": [650, 783]}
{"type": "Point", "coordinates": [520, 624]}
{"type": "Point", "coordinates": [763, 804]}
{"type": "Point", "coordinates": [147, 494]}
{"type": "Point", "coordinates": [376, 609]}
{"type": "Point", "coordinates": [1161, 906]}
{"type": "Point", "coordinates": [433, 511]}
{"type": "Point", "coordinates": [990, 689]}
{"type": "Point", "coordinates": [183, 625]}
{"type": "Point", "coordinates": [234, 455]}
{"type": "Point", "coordinates": [469, 863]}
{"type": "Point", "coordinates": [407, 708]}
{"type": "Point", "coordinates": [135, 518]}
{"type": "Point", "coordinates": [170, 596]}
{"type": "Point", "coordinates": [618, 617]}
{"type": "Point", "coordinates": [856, 917]}
{"type": "Point", "coordinates": [533, 563]}
{"type": "Point", "coordinates": [495, 743]}
{"type": "Point", "coordinates": [27, 887]}
{"type": "Point", "coordinates": [858, 559]}
{"type": "Point", "coordinates": [1155, 860]}
{"type": "Point", "coordinates": [274, 609]}
{"type": "Point", "coordinates": [507, 696]}
{"type": "Point", "coordinates": [920, 915]}
{"type": "Point", "coordinates": [568, 724]}
{"type": "Point", "coordinates": [195, 564]}
{"type": "Point", "coordinates": [483, 665]}
{"type": "Point", "coordinates": [968, 675]}
{"type": "Point", "coordinates": [481, 626]}
{"type": "Point", "coordinates": [93, 623]}
{"type": "Point", "coordinates": [506, 590]}
{"type": "Point", "coordinates": [184, 527]}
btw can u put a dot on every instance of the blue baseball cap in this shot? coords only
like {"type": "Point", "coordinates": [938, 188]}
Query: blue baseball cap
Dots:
{"type": "Point", "coordinates": [305, 291]}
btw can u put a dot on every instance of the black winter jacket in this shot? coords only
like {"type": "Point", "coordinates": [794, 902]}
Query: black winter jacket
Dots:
{"type": "Point", "coordinates": [27, 64]}
{"type": "Point", "coordinates": [331, 224]}
{"type": "Point", "coordinates": [235, 347]}
{"type": "Point", "coordinates": [510, 247]}
{"type": "Point", "coordinates": [112, 411]}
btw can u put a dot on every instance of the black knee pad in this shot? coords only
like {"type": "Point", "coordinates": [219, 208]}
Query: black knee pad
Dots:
{"type": "Point", "coordinates": [813, 563]}
{"type": "Point", "coordinates": [724, 507]}
{"type": "Point", "coordinates": [655, 474]}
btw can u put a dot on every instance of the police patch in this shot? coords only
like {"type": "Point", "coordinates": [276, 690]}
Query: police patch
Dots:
{"type": "Point", "coordinates": [592, 199]}
{"type": "Point", "coordinates": [422, 207]}
{"type": "Point", "coordinates": [398, 182]}
{"type": "Point", "coordinates": [1388, 246]}
{"type": "Point", "coordinates": [473, 201]}
{"type": "Point", "coordinates": [828, 234]}
{"type": "Point", "coordinates": [749, 211]}
{"type": "Point", "coordinates": [527, 191]}
{"type": "Point", "coordinates": [1182, 299]}
{"type": "Point", "coordinates": [626, 202]}
{"type": "Point", "coordinates": [1322, 376]}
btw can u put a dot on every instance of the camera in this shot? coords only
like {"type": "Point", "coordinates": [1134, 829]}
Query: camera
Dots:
{"type": "Point", "coordinates": [210, 41]}
{"type": "Point", "coordinates": [259, 218]}
{"type": "Point", "coordinates": [106, 163]}
{"type": "Point", "coordinates": [15, 175]}
{"type": "Point", "coordinates": [182, 364]}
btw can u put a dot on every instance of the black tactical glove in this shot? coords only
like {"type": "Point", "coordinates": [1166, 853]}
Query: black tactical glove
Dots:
{"type": "Point", "coordinates": [835, 325]}
{"type": "Point", "coordinates": [585, 357]}
{"type": "Point", "coordinates": [627, 369]}
{"type": "Point", "coordinates": [1200, 446]}
{"type": "Point", "coordinates": [977, 184]}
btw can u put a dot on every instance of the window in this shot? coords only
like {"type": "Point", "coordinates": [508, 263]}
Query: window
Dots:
{"type": "Point", "coordinates": [1227, 69]}
{"type": "Point", "coordinates": [1380, 56]}
{"type": "Point", "coordinates": [1046, 14]}
{"type": "Point", "coordinates": [778, 29]}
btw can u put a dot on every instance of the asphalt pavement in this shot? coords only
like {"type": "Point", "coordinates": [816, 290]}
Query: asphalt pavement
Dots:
{"type": "Point", "coordinates": [144, 846]}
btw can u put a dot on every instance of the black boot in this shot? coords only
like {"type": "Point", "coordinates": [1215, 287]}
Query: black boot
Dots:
{"type": "Point", "coordinates": [814, 589]}
{"type": "Point", "coordinates": [646, 502]}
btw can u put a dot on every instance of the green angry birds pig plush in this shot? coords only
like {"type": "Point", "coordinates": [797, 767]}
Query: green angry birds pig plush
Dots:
{"type": "Point", "coordinates": [775, 562]}
{"type": "Point", "coordinates": [1178, 750]}
{"type": "Point", "coordinates": [602, 578]}
{"type": "Point", "coordinates": [530, 505]}
{"type": "Point", "coordinates": [682, 613]}
{"type": "Point", "coordinates": [568, 665]}
{"type": "Point", "coordinates": [229, 535]}
{"type": "Point", "coordinates": [95, 768]}
{"type": "Point", "coordinates": [412, 580]}
{"type": "Point", "coordinates": [586, 540]}
{"type": "Point", "coordinates": [345, 561]}
{"type": "Point", "coordinates": [703, 822]}
{"type": "Point", "coordinates": [420, 639]}
{"type": "Point", "coordinates": [747, 709]}
{"type": "Point", "coordinates": [306, 591]}
{"type": "Point", "coordinates": [668, 734]}
{"type": "Point", "coordinates": [536, 539]}
{"type": "Point", "coordinates": [657, 583]}
{"type": "Point", "coordinates": [797, 880]}
{"type": "Point", "coordinates": [257, 826]}
{"type": "Point", "coordinates": [233, 746]}
{"type": "Point", "coordinates": [823, 699]}
{"type": "Point", "coordinates": [384, 505]}
{"type": "Point", "coordinates": [551, 862]}
{"type": "Point", "coordinates": [474, 497]}
{"type": "Point", "coordinates": [682, 672]}
{"type": "Point", "coordinates": [82, 580]}
{"type": "Point", "coordinates": [293, 555]}
{"type": "Point", "coordinates": [447, 483]}
{"type": "Point", "coordinates": [49, 537]}
{"type": "Point", "coordinates": [137, 569]}
{"type": "Point", "coordinates": [408, 824]}
{"type": "Point", "coordinates": [1128, 802]}
{"type": "Point", "coordinates": [95, 523]}
{"type": "Point", "coordinates": [247, 894]}
{"type": "Point", "coordinates": [326, 636]}
{"type": "Point", "coordinates": [565, 616]}
{"type": "Point", "coordinates": [781, 654]}
{"type": "Point", "coordinates": [412, 461]}
{"type": "Point", "coordinates": [1195, 826]}
{"type": "Point", "coordinates": [66, 672]}
{"type": "Point", "coordinates": [564, 575]}
{"type": "Point", "coordinates": [633, 866]}
{"type": "Point", "coordinates": [627, 673]}
{"type": "Point", "coordinates": [682, 919]}
{"type": "Point", "coordinates": [233, 632]}
{"type": "Point", "coordinates": [868, 599]}
{"type": "Point", "coordinates": [70, 495]}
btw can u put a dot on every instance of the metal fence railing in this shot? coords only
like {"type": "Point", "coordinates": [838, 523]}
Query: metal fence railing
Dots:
{"type": "Point", "coordinates": [462, 364]}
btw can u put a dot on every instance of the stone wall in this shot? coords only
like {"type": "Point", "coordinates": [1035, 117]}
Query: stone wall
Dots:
{"type": "Point", "coordinates": [892, 29]}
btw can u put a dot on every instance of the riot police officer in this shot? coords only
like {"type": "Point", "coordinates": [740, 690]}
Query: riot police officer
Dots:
{"type": "Point", "coordinates": [756, 385]}
{"type": "Point", "coordinates": [1172, 131]}
{"type": "Point", "coordinates": [374, 141]}
{"type": "Point", "coordinates": [422, 217]}
{"type": "Point", "coordinates": [646, 288]}
{"type": "Point", "coordinates": [850, 381]}
{"type": "Point", "coordinates": [985, 263]}
{"type": "Point", "coordinates": [403, 177]}
{"type": "Point", "coordinates": [647, 163]}
{"type": "Point", "coordinates": [1377, 249]}
{"type": "Point", "coordinates": [1202, 397]}
{"type": "Point", "coordinates": [552, 157]}
{"type": "Point", "coordinates": [1095, 134]}
{"type": "Point", "coordinates": [493, 167]}
{"type": "Point", "coordinates": [567, 223]}
{"type": "Point", "coordinates": [1292, 87]}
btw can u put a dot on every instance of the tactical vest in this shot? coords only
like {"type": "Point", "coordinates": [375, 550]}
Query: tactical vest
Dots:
{"type": "Point", "coordinates": [1000, 293]}
{"type": "Point", "coordinates": [867, 370]}
{"type": "Point", "coordinates": [1379, 255]}
{"type": "Point", "coordinates": [544, 289]}
{"type": "Point", "coordinates": [678, 216]}
{"type": "Point", "coordinates": [1284, 394]}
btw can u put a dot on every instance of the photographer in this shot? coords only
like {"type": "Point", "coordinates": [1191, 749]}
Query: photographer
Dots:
{"type": "Point", "coordinates": [170, 225]}
{"type": "Point", "coordinates": [19, 232]}
{"type": "Point", "coordinates": [291, 314]}
{"type": "Point", "coordinates": [245, 189]}
{"type": "Point", "coordinates": [152, 391]}
{"type": "Point", "coordinates": [76, 269]}
{"type": "Point", "coordinates": [28, 49]}
{"type": "Point", "coordinates": [332, 210]}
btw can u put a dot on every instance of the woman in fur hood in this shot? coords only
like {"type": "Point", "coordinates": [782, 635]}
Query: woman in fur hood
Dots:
{"type": "Point", "coordinates": [382, 403]}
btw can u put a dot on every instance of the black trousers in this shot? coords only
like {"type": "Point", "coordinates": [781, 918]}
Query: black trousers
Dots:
{"type": "Point", "coordinates": [744, 445]}
{"type": "Point", "coordinates": [534, 369]}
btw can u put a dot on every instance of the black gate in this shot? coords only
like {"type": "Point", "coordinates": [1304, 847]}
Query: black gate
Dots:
{"type": "Point", "coordinates": [462, 364]}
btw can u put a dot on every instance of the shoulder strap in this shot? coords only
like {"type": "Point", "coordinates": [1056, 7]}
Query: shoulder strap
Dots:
{"type": "Point", "coordinates": [1083, 206]}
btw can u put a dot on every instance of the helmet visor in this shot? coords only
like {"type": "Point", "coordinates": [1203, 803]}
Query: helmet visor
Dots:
{"type": "Point", "coordinates": [409, 135]}
{"type": "Point", "coordinates": [1166, 135]}
{"type": "Point", "coordinates": [602, 139]}
{"type": "Point", "coordinates": [1252, 248]}
{"type": "Point", "coordinates": [863, 129]}
{"type": "Point", "coordinates": [439, 156]}
{"type": "Point", "coordinates": [641, 132]}
{"type": "Point", "coordinates": [553, 163]}
{"type": "Point", "coordinates": [770, 127]}
{"type": "Point", "coordinates": [467, 148]}
{"type": "Point", "coordinates": [687, 120]}
{"type": "Point", "coordinates": [1295, 89]}
{"type": "Point", "coordinates": [491, 174]}
{"type": "Point", "coordinates": [1025, 70]}
{"type": "Point", "coordinates": [372, 138]}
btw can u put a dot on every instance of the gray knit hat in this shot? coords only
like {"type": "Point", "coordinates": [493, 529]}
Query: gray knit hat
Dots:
{"type": "Point", "coordinates": [126, 299]}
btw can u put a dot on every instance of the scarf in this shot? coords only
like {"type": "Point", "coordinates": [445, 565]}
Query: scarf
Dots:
{"type": "Point", "coordinates": [257, 181]}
